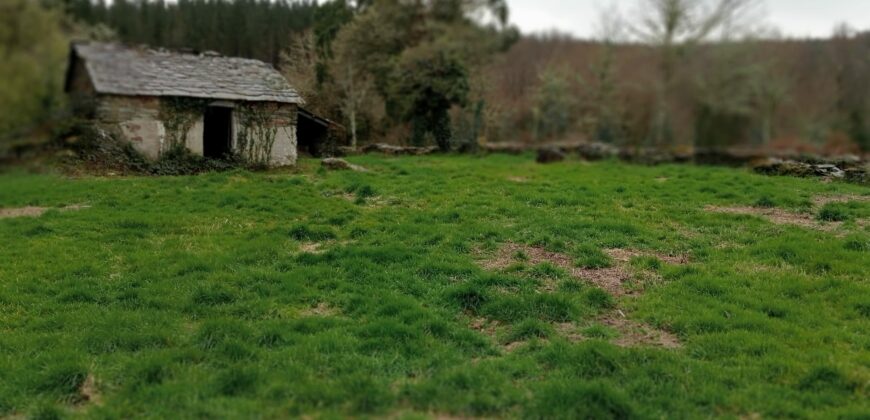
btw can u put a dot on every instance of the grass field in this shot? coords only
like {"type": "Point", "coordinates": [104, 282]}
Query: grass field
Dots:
{"type": "Point", "coordinates": [436, 286]}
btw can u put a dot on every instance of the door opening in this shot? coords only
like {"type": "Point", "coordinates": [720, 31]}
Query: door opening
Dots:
{"type": "Point", "coordinates": [217, 132]}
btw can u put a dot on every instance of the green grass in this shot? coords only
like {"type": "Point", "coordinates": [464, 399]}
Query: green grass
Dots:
{"type": "Point", "coordinates": [195, 297]}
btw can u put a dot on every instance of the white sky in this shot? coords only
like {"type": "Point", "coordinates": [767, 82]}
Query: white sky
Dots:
{"type": "Point", "coordinates": [798, 18]}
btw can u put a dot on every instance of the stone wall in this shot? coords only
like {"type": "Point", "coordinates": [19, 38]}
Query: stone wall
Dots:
{"type": "Point", "coordinates": [134, 118]}
{"type": "Point", "coordinates": [138, 120]}
{"type": "Point", "coordinates": [284, 151]}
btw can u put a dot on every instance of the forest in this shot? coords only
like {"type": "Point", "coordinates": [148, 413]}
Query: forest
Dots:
{"type": "Point", "coordinates": [458, 74]}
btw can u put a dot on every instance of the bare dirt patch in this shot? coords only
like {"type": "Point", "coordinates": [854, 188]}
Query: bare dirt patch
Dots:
{"type": "Point", "coordinates": [320, 247]}
{"type": "Point", "coordinates": [89, 392]}
{"type": "Point", "coordinates": [490, 329]}
{"type": "Point", "coordinates": [569, 331]}
{"type": "Point", "coordinates": [512, 253]}
{"type": "Point", "coordinates": [32, 211]}
{"type": "Point", "coordinates": [484, 326]}
{"type": "Point", "coordinates": [821, 200]}
{"type": "Point", "coordinates": [518, 179]}
{"type": "Point", "coordinates": [311, 248]}
{"type": "Point", "coordinates": [633, 333]}
{"type": "Point", "coordinates": [777, 216]}
{"type": "Point", "coordinates": [612, 279]}
{"type": "Point", "coordinates": [322, 309]}
{"type": "Point", "coordinates": [625, 255]}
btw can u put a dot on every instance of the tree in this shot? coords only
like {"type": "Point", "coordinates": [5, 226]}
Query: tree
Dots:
{"type": "Point", "coordinates": [555, 106]}
{"type": "Point", "coordinates": [674, 27]}
{"type": "Point", "coordinates": [605, 107]}
{"type": "Point", "coordinates": [299, 63]}
{"type": "Point", "coordinates": [415, 58]}
{"type": "Point", "coordinates": [849, 53]}
{"type": "Point", "coordinates": [355, 85]}
{"type": "Point", "coordinates": [429, 80]}
{"type": "Point", "coordinates": [33, 50]}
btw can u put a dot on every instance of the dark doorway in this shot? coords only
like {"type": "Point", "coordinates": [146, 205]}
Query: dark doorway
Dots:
{"type": "Point", "coordinates": [217, 132]}
{"type": "Point", "coordinates": [312, 133]}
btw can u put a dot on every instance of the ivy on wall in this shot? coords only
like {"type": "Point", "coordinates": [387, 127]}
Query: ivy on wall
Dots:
{"type": "Point", "coordinates": [179, 114]}
{"type": "Point", "coordinates": [256, 134]}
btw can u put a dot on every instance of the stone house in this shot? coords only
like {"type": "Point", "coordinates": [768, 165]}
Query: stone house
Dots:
{"type": "Point", "coordinates": [210, 104]}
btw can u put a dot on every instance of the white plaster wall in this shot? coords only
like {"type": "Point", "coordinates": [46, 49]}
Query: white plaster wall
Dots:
{"type": "Point", "coordinates": [146, 135]}
{"type": "Point", "coordinates": [194, 137]}
{"type": "Point", "coordinates": [284, 149]}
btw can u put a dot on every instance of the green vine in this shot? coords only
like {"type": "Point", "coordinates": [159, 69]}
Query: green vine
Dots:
{"type": "Point", "coordinates": [179, 114]}
{"type": "Point", "coordinates": [256, 135]}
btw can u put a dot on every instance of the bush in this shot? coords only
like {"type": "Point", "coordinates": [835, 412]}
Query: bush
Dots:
{"type": "Point", "coordinates": [98, 150]}
{"type": "Point", "coordinates": [181, 161]}
{"type": "Point", "coordinates": [832, 213]}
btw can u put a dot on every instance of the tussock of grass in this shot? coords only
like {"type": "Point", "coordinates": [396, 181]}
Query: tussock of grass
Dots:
{"type": "Point", "coordinates": [189, 296]}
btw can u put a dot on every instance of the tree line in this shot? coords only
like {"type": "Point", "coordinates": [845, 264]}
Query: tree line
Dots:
{"type": "Point", "coordinates": [455, 73]}
{"type": "Point", "coordinates": [685, 74]}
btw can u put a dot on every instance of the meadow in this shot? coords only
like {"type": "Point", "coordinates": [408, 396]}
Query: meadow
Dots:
{"type": "Point", "coordinates": [435, 286]}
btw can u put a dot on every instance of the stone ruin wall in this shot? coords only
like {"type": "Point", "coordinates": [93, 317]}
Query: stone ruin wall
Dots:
{"type": "Point", "coordinates": [137, 120]}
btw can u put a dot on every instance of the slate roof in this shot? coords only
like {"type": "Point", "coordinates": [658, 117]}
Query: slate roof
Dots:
{"type": "Point", "coordinates": [119, 70]}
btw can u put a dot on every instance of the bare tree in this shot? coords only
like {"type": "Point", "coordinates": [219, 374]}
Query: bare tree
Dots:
{"type": "Point", "coordinates": [355, 88]}
{"type": "Point", "coordinates": [352, 79]}
{"type": "Point", "coordinates": [610, 32]}
{"type": "Point", "coordinates": [299, 64]}
{"type": "Point", "coordinates": [673, 27]}
{"type": "Point", "coordinates": [848, 57]}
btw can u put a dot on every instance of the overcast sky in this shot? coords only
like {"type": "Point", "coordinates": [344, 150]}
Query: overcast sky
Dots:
{"type": "Point", "coordinates": [797, 18]}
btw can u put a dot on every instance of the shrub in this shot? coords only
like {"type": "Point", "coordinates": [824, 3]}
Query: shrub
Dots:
{"type": "Point", "coordinates": [181, 161]}
{"type": "Point", "coordinates": [99, 150]}
{"type": "Point", "coordinates": [832, 213]}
